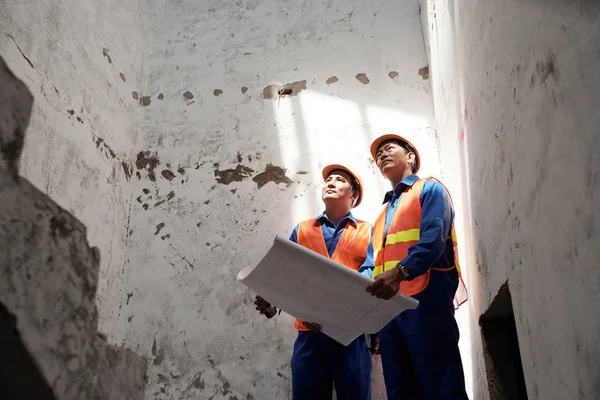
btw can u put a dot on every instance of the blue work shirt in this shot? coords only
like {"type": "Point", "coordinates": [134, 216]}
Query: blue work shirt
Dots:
{"type": "Point", "coordinates": [332, 235]}
{"type": "Point", "coordinates": [434, 248]}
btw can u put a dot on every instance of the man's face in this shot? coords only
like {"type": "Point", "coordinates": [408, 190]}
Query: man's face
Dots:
{"type": "Point", "coordinates": [338, 187]}
{"type": "Point", "coordinates": [392, 160]}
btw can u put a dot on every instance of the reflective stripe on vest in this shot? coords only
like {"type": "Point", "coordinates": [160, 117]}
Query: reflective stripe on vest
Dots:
{"type": "Point", "coordinates": [351, 249]}
{"type": "Point", "coordinates": [404, 232]}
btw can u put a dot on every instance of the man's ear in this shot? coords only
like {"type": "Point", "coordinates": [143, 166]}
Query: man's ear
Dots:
{"type": "Point", "coordinates": [411, 157]}
{"type": "Point", "coordinates": [354, 196]}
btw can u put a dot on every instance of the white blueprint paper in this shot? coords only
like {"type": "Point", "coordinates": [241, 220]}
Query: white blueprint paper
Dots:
{"type": "Point", "coordinates": [316, 289]}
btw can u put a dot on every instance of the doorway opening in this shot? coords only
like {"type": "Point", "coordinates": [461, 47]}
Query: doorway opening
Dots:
{"type": "Point", "coordinates": [502, 357]}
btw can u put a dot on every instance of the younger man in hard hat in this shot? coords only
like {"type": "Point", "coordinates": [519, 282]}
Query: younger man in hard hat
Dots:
{"type": "Point", "coordinates": [319, 362]}
{"type": "Point", "coordinates": [414, 246]}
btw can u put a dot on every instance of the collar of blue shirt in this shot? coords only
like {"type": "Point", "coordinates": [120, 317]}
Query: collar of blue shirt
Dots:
{"type": "Point", "coordinates": [322, 218]}
{"type": "Point", "coordinates": [400, 188]}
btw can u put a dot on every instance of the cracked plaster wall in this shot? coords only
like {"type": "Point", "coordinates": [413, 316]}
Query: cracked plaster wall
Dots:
{"type": "Point", "coordinates": [247, 101]}
{"type": "Point", "coordinates": [82, 61]}
{"type": "Point", "coordinates": [516, 91]}
{"type": "Point", "coordinates": [48, 282]}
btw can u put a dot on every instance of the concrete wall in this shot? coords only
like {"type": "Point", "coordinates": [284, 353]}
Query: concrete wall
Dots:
{"type": "Point", "coordinates": [48, 282]}
{"type": "Point", "coordinates": [516, 89]}
{"type": "Point", "coordinates": [227, 164]}
{"type": "Point", "coordinates": [82, 61]}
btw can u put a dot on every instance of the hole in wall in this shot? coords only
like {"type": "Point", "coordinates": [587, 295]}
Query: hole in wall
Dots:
{"type": "Point", "coordinates": [20, 376]}
{"type": "Point", "coordinates": [502, 357]}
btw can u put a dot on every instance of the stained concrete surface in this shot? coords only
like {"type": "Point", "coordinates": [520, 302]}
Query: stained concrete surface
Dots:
{"type": "Point", "coordinates": [126, 121]}
{"type": "Point", "coordinates": [48, 282]}
{"type": "Point", "coordinates": [85, 125]}
{"type": "Point", "coordinates": [516, 88]}
{"type": "Point", "coordinates": [245, 165]}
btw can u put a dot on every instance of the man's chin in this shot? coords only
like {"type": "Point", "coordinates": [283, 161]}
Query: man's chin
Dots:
{"type": "Point", "coordinates": [331, 199]}
{"type": "Point", "coordinates": [389, 172]}
{"type": "Point", "coordinates": [387, 169]}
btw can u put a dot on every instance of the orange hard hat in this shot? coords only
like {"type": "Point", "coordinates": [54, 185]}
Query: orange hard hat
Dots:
{"type": "Point", "coordinates": [332, 167]}
{"type": "Point", "coordinates": [391, 136]}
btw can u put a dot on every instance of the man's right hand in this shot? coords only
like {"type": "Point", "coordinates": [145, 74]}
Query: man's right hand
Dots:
{"type": "Point", "coordinates": [314, 328]}
{"type": "Point", "coordinates": [264, 307]}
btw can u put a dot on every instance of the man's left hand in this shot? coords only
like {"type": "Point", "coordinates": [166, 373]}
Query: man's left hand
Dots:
{"type": "Point", "coordinates": [386, 284]}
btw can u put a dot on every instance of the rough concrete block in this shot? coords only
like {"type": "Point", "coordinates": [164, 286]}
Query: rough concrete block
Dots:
{"type": "Point", "coordinates": [49, 275]}
{"type": "Point", "coordinates": [15, 109]}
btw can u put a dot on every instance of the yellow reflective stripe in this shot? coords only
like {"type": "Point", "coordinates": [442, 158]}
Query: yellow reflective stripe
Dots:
{"type": "Point", "coordinates": [457, 265]}
{"type": "Point", "coordinates": [377, 270]}
{"type": "Point", "coordinates": [409, 235]}
{"type": "Point", "coordinates": [389, 265]}
{"type": "Point", "coordinates": [385, 267]}
{"type": "Point", "coordinates": [454, 236]}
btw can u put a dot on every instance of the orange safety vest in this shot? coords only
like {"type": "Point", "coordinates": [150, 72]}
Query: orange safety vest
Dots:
{"type": "Point", "coordinates": [350, 251]}
{"type": "Point", "coordinates": [404, 232]}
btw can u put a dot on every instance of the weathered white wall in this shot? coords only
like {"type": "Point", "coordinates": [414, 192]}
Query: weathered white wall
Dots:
{"type": "Point", "coordinates": [525, 78]}
{"type": "Point", "coordinates": [211, 140]}
{"type": "Point", "coordinates": [85, 123]}
{"type": "Point", "coordinates": [440, 51]}
{"type": "Point", "coordinates": [48, 282]}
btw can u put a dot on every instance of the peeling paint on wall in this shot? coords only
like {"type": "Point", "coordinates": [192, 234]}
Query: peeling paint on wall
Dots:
{"type": "Point", "coordinates": [272, 173]}
{"type": "Point", "coordinates": [237, 174]}
{"type": "Point", "coordinates": [105, 54]}
{"type": "Point", "coordinates": [289, 89]}
{"type": "Point", "coordinates": [168, 175]}
{"type": "Point", "coordinates": [145, 101]}
{"type": "Point", "coordinates": [148, 161]}
{"type": "Point", "coordinates": [363, 78]}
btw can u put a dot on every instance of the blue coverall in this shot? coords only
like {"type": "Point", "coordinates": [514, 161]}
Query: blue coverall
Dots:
{"type": "Point", "coordinates": [319, 362]}
{"type": "Point", "coordinates": [419, 348]}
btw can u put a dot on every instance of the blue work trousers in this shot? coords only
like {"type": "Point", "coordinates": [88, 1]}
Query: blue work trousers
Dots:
{"type": "Point", "coordinates": [420, 356]}
{"type": "Point", "coordinates": [319, 363]}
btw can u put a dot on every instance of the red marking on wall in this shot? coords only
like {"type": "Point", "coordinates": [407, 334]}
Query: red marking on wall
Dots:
{"type": "Point", "coordinates": [464, 125]}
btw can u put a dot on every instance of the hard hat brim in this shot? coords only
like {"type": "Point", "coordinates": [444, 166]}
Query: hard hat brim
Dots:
{"type": "Point", "coordinates": [391, 136]}
{"type": "Point", "coordinates": [332, 167]}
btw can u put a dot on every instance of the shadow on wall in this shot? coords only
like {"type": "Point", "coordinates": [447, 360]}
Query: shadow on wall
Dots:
{"type": "Point", "coordinates": [48, 283]}
{"type": "Point", "coordinates": [20, 376]}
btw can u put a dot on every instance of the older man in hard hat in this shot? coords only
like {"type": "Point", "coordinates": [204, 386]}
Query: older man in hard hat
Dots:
{"type": "Point", "coordinates": [319, 362]}
{"type": "Point", "coordinates": [415, 253]}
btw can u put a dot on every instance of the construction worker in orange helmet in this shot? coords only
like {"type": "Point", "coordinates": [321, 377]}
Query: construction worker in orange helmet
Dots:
{"type": "Point", "coordinates": [415, 253]}
{"type": "Point", "coordinates": [318, 362]}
